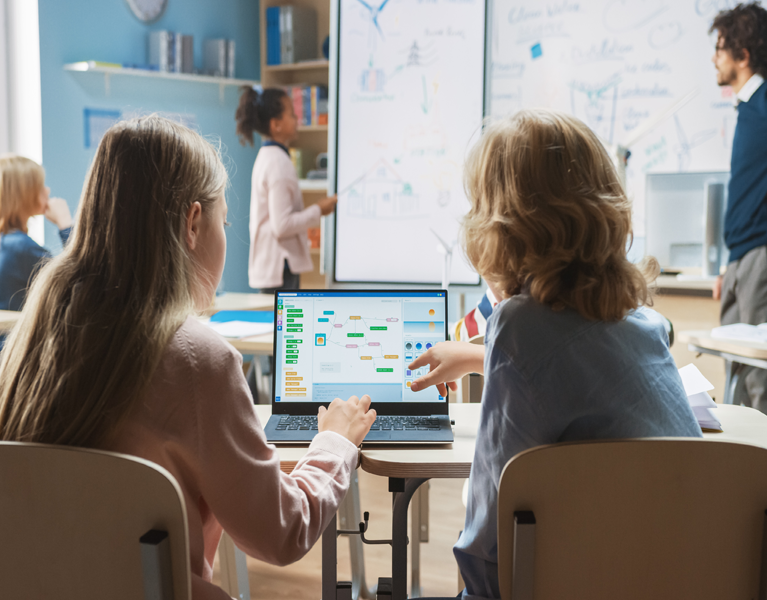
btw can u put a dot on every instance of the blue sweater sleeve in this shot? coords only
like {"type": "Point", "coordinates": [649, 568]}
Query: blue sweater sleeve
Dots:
{"type": "Point", "coordinates": [510, 423]}
{"type": "Point", "coordinates": [64, 235]}
{"type": "Point", "coordinates": [20, 259]}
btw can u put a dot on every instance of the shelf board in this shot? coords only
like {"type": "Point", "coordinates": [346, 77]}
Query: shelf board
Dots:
{"type": "Point", "coordinates": [83, 67]}
{"type": "Point", "coordinates": [313, 185]}
{"type": "Point", "coordinates": [108, 72]}
{"type": "Point", "coordinates": [299, 66]}
{"type": "Point", "coordinates": [312, 128]}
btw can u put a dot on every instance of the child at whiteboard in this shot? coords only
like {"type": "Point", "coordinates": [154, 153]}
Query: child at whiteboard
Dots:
{"type": "Point", "coordinates": [570, 352]}
{"type": "Point", "coordinates": [279, 244]}
{"type": "Point", "coordinates": [108, 354]}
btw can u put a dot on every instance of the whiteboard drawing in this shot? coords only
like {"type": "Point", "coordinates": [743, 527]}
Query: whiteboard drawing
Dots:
{"type": "Point", "coordinates": [408, 107]}
{"type": "Point", "coordinates": [624, 15]}
{"type": "Point", "coordinates": [381, 194]}
{"type": "Point", "coordinates": [374, 29]}
{"type": "Point", "coordinates": [596, 105]}
{"type": "Point", "coordinates": [617, 65]}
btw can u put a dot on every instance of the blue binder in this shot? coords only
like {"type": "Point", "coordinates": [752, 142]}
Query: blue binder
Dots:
{"type": "Point", "coordinates": [273, 48]}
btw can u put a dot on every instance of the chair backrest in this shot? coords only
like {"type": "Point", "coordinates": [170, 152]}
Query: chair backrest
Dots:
{"type": "Point", "coordinates": [633, 519]}
{"type": "Point", "coordinates": [71, 519]}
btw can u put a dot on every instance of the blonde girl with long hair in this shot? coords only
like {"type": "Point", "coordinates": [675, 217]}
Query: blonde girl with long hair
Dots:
{"type": "Point", "coordinates": [23, 194]}
{"type": "Point", "coordinates": [571, 352]}
{"type": "Point", "coordinates": [108, 355]}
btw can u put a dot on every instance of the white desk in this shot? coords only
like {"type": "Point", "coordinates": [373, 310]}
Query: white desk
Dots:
{"type": "Point", "coordinates": [239, 301]}
{"type": "Point", "coordinates": [262, 345]}
{"type": "Point", "coordinates": [8, 319]}
{"type": "Point", "coordinates": [734, 352]}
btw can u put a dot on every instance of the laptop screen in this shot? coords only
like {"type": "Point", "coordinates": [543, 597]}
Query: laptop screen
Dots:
{"type": "Point", "coordinates": [339, 343]}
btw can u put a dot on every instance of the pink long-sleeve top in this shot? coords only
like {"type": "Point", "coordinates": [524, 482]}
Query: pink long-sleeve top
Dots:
{"type": "Point", "coordinates": [197, 420]}
{"type": "Point", "coordinates": [278, 220]}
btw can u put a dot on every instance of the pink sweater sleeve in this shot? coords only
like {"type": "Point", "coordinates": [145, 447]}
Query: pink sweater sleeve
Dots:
{"type": "Point", "coordinates": [284, 219]}
{"type": "Point", "coordinates": [270, 515]}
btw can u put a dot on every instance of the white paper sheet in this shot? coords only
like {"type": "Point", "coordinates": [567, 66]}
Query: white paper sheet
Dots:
{"type": "Point", "coordinates": [696, 387]}
{"type": "Point", "coordinates": [701, 399]}
{"type": "Point", "coordinates": [741, 332]}
{"type": "Point", "coordinates": [240, 329]}
{"type": "Point", "coordinates": [693, 380]}
{"type": "Point", "coordinates": [706, 418]}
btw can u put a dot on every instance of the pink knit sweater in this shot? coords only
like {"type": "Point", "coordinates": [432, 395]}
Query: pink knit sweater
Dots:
{"type": "Point", "coordinates": [197, 420]}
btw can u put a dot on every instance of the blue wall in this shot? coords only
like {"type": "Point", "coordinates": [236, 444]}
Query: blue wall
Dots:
{"type": "Point", "coordinates": [106, 30]}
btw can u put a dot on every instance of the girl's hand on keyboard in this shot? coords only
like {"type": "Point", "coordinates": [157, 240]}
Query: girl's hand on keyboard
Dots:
{"type": "Point", "coordinates": [448, 362]}
{"type": "Point", "coordinates": [351, 419]}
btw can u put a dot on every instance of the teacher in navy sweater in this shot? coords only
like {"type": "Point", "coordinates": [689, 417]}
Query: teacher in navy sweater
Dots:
{"type": "Point", "coordinates": [741, 63]}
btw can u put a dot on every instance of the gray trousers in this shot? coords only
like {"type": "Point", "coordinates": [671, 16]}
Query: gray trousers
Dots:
{"type": "Point", "coordinates": [744, 300]}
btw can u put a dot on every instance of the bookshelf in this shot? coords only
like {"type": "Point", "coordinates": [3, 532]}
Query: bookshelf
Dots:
{"type": "Point", "coordinates": [311, 139]}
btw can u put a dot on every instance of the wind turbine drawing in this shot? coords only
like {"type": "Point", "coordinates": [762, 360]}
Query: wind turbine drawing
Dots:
{"type": "Point", "coordinates": [374, 12]}
{"type": "Point", "coordinates": [621, 152]}
{"type": "Point", "coordinates": [445, 250]}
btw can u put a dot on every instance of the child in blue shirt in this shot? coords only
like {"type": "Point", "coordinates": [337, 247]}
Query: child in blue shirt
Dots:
{"type": "Point", "coordinates": [570, 352]}
{"type": "Point", "coordinates": [23, 194]}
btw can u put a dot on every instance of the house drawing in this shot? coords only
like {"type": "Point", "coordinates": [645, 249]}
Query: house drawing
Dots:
{"type": "Point", "coordinates": [381, 194]}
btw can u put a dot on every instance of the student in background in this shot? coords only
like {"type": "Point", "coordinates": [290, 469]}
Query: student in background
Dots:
{"type": "Point", "coordinates": [107, 354]}
{"type": "Point", "coordinates": [570, 352]}
{"type": "Point", "coordinates": [23, 195]}
{"type": "Point", "coordinates": [740, 58]}
{"type": "Point", "coordinates": [279, 243]}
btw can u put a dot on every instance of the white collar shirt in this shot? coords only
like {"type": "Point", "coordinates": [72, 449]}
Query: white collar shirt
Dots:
{"type": "Point", "coordinates": [748, 89]}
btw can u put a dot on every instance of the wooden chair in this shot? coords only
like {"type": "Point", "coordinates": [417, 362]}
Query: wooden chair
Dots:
{"type": "Point", "coordinates": [71, 521]}
{"type": "Point", "coordinates": [635, 519]}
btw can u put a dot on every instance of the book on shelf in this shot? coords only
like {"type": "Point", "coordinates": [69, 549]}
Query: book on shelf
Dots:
{"type": "Point", "coordinates": [310, 103]}
{"type": "Point", "coordinates": [314, 238]}
{"type": "Point", "coordinates": [296, 157]}
{"type": "Point", "coordinates": [291, 34]}
{"type": "Point", "coordinates": [170, 52]}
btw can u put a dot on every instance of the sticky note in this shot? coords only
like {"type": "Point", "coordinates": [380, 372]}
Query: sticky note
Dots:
{"type": "Point", "coordinates": [536, 50]}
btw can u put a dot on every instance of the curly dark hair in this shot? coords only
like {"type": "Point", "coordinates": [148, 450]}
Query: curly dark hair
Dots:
{"type": "Point", "coordinates": [744, 28]}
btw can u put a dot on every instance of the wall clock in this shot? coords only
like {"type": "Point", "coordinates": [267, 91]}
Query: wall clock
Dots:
{"type": "Point", "coordinates": [147, 11]}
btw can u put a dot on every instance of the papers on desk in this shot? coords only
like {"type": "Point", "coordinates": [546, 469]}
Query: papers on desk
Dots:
{"type": "Point", "coordinates": [741, 332]}
{"type": "Point", "coordinates": [696, 387]}
{"type": "Point", "coordinates": [240, 329]}
{"type": "Point", "coordinates": [240, 324]}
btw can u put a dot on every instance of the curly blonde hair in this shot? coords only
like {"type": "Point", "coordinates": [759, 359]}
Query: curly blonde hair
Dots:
{"type": "Point", "coordinates": [549, 216]}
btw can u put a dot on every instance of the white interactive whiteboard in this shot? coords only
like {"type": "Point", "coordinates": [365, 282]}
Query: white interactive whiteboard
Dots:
{"type": "Point", "coordinates": [410, 98]}
{"type": "Point", "coordinates": [615, 64]}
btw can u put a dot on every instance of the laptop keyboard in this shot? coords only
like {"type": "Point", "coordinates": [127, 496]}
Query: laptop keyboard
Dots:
{"type": "Point", "coordinates": [382, 423]}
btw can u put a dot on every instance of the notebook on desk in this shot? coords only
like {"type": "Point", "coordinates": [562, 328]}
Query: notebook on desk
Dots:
{"type": "Point", "coordinates": [339, 343]}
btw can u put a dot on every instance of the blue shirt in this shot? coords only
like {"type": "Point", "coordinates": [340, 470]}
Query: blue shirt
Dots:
{"type": "Point", "coordinates": [20, 256]}
{"type": "Point", "coordinates": [745, 222]}
{"type": "Point", "coordinates": [554, 376]}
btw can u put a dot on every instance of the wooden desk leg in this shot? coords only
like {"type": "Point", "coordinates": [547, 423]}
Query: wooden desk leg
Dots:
{"type": "Point", "coordinates": [400, 503]}
{"type": "Point", "coordinates": [329, 561]}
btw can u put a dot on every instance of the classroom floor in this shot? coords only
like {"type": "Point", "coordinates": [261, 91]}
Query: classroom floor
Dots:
{"type": "Point", "coordinates": [439, 573]}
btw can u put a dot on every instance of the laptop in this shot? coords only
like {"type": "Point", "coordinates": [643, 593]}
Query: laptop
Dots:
{"type": "Point", "coordinates": [339, 343]}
